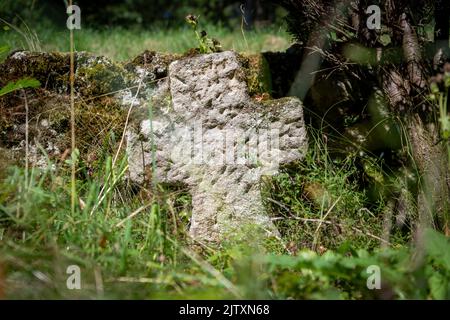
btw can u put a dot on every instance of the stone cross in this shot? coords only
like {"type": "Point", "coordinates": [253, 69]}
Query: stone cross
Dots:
{"type": "Point", "coordinates": [212, 137]}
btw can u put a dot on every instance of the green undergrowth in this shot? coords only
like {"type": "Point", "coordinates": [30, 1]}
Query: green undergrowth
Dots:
{"type": "Point", "coordinates": [320, 203]}
{"type": "Point", "coordinates": [131, 242]}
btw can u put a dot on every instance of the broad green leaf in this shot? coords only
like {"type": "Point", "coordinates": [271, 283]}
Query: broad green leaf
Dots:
{"type": "Point", "coordinates": [4, 49]}
{"type": "Point", "coordinates": [447, 80]}
{"type": "Point", "coordinates": [360, 54]}
{"type": "Point", "coordinates": [438, 286]}
{"type": "Point", "coordinates": [19, 84]}
{"type": "Point", "coordinates": [3, 52]}
{"type": "Point", "coordinates": [333, 36]}
{"type": "Point", "coordinates": [385, 40]}
{"type": "Point", "coordinates": [282, 261]}
{"type": "Point", "coordinates": [438, 247]}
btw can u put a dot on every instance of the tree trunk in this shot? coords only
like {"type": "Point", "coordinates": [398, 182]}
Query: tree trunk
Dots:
{"type": "Point", "coordinates": [429, 155]}
{"type": "Point", "coordinates": [430, 160]}
{"type": "Point", "coordinates": [403, 77]}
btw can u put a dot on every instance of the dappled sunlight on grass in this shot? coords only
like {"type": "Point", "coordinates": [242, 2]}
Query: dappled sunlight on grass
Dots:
{"type": "Point", "coordinates": [124, 44]}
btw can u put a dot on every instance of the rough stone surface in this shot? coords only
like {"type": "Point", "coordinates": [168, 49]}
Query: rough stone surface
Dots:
{"type": "Point", "coordinates": [213, 138]}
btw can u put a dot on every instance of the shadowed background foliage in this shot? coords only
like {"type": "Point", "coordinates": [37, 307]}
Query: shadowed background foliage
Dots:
{"type": "Point", "coordinates": [143, 12]}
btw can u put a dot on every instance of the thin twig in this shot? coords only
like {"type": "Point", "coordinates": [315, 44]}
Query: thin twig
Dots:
{"type": "Point", "coordinates": [209, 269]}
{"type": "Point", "coordinates": [135, 213]}
{"type": "Point", "coordinates": [27, 147]}
{"type": "Point", "coordinates": [101, 195]}
{"type": "Point", "coordinates": [291, 216]}
{"type": "Point", "coordinates": [336, 224]}
{"type": "Point", "coordinates": [244, 21]}
{"type": "Point", "coordinates": [72, 121]}
{"type": "Point", "coordinates": [316, 233]}
{"type": "Point", "coordinates": [126, 121]}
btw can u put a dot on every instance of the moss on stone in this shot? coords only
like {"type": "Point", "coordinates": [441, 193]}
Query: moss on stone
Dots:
{"type": "Point", "coordinates": [99, 75]}
{"type": "Point", "coordinates": [94, 75]}
{"type": "Point", "coordinates": [50, 68]}
{"type": "Point", "coordinates": [97, 120]}
{"type": "Point", "coordinates": [257, 74]}
{"type": "Point", "coordinates": [99, 115]}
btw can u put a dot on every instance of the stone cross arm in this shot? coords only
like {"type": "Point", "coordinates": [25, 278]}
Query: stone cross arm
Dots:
{"type": "Point", "coordinates": [217, 141]}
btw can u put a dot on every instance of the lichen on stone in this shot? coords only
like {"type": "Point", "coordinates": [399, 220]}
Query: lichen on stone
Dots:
{"type": "Point", "coordinates": [211, 104]}
{"type": "Point", "coordinates": [156, 64]}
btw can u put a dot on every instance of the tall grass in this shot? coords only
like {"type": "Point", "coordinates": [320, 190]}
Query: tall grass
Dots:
{"type": "Point", "coordinates": [123, 44]}
{"type": "Point", "coordinates": [319, 203]}
{"type": "Point", "coordinates": [134, 247]}
{"type": "Point", "coordinates": [128, 240]}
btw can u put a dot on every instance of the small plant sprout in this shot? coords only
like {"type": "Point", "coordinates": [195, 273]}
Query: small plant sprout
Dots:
{"type": "Point", "coordinates": [205, 44]}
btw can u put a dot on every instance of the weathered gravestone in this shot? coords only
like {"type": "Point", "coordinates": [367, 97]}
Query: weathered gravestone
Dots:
{"type": "Point", "coordinates": [208, 134]}
{"type": "Point", "coordinates": [214, 139]}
